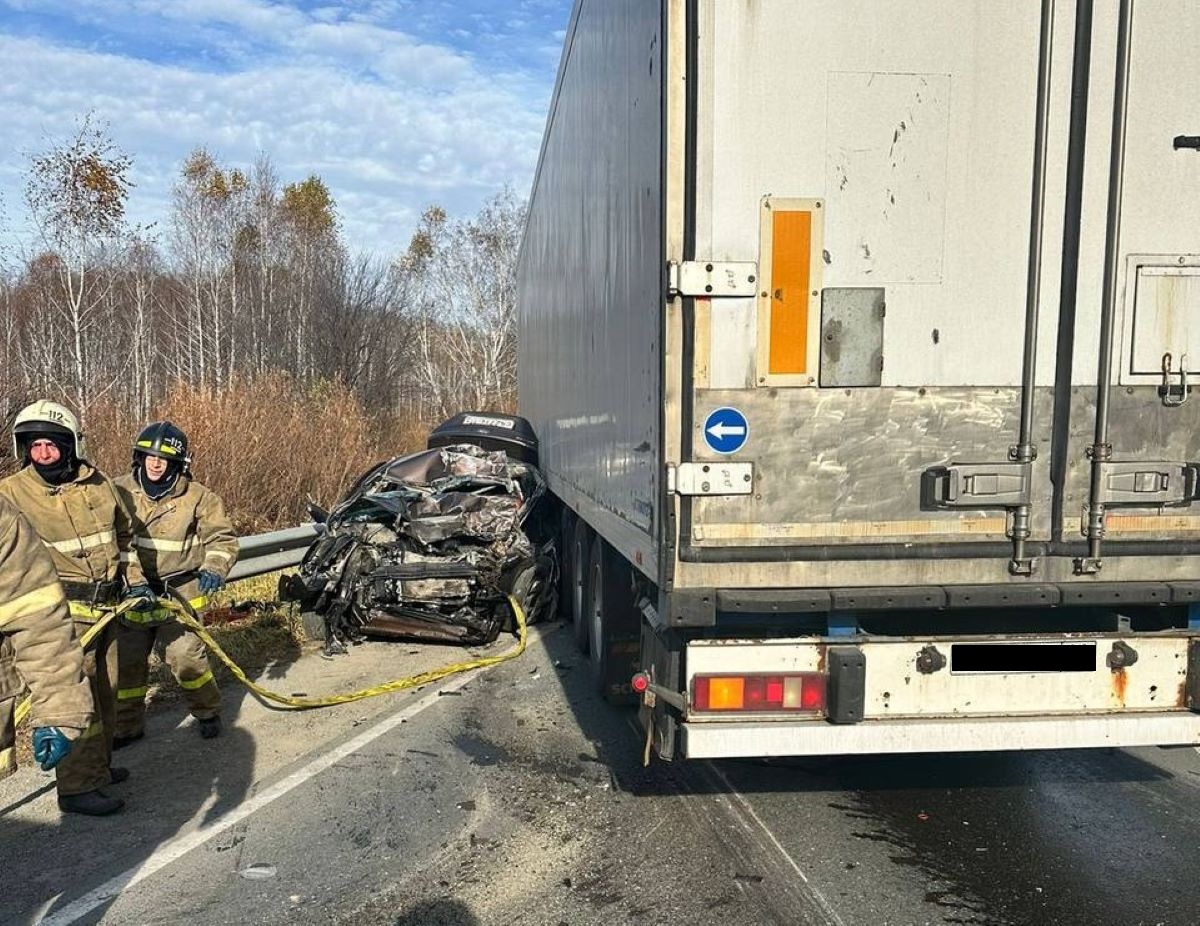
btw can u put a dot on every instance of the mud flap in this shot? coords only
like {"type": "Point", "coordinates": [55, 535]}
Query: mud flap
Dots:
{"type": "Point", "coordinates": [661, 655]}
{"type": "Point", "coordinates": [847, 684]}
{"type": "Point", "coordinates": [1191, 694]}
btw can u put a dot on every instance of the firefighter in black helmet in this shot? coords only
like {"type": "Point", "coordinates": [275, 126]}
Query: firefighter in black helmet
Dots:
{"type": "Point", "coordinates": [185, 543]}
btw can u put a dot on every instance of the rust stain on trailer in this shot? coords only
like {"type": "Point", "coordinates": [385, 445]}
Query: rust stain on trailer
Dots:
{"type": "Point", "coordinates": [1120, 682]}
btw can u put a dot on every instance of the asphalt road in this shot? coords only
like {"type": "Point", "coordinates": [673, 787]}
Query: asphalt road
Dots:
{"type": "Point", "coordinates": [519, 798]}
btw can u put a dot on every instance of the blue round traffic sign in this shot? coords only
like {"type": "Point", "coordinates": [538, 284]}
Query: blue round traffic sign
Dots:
{"type": "Point", "coordinates": [726, 430]}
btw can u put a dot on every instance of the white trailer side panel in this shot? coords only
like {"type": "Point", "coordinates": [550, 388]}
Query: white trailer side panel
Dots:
{"type": "Point", "coordinates": [591, 274]}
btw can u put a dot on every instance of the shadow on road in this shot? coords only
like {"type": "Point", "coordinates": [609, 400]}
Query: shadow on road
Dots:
{"type": "Point", "coordinates": [440, 912]}
{"type": "Point", "coordinates": [177, 781]}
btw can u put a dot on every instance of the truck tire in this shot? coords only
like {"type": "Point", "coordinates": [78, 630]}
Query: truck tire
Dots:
{"type": "Point", "coordinates": [613, 624]}
{"type": "Point", "coordinates": [581, 550]}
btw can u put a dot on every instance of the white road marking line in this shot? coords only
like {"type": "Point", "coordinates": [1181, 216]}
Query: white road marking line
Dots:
{"type": "Point", "coordinates": [749, 810]}
{"type": "Point", "coordinates": [177, 848]}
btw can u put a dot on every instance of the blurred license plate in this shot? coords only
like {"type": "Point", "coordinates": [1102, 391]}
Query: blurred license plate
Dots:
{"type": "Point", "coordinates": [979, 658]}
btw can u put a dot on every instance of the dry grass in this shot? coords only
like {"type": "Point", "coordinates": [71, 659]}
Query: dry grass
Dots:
{"type": "Point", "coordinates": [264, 444]}
{"type": "Point", "coordinates": [264, 588]}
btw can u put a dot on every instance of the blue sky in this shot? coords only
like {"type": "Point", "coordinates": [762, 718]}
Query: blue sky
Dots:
{"type": "Point", "coordinates": [395, 103]}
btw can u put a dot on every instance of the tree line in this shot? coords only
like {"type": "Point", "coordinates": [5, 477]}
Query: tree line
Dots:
{"type": "Point", "coordinates": [247, 276]}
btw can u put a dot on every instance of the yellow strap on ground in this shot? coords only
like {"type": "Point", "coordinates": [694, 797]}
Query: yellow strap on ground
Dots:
{"type": "Point", "coordinates": [88, 635]}
{"type": "Point", "coordinates": [399, 684]}
{"type": "Point", "coordinates": [300, 704]}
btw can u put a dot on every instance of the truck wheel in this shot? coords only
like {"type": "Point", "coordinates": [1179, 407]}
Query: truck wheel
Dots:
{"type": "Point", "coordinates": [580, 554]}
{"type": "Point", "coordinates": [613, 624]}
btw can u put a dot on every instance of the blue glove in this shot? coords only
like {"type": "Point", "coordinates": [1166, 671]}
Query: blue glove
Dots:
{"type": "Point", "coordinates": [50, 746]}
{"type": "Point", "coordinates": [148, 599]}
{"type": "Point", "coordinates": [210, 582]}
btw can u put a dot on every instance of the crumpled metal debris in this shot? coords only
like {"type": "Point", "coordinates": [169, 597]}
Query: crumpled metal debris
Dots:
{"type": "Point", "coordinates": [430, 546]}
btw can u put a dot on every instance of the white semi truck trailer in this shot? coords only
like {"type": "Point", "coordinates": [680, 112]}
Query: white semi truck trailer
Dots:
{"type": "Point", "coordinates": [860, 338]}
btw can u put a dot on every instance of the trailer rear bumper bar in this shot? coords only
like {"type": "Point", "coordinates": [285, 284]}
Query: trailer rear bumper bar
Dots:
{"type": "Point", "coordinates": [956, 596]}
{"type": "Point", "coordinates": [699, 607]}
{"type": "Point", "coordinates": [727, 740]}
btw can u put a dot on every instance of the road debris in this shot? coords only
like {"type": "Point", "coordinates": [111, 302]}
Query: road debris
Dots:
{"type": "Point", "coordinates": [258, 872]}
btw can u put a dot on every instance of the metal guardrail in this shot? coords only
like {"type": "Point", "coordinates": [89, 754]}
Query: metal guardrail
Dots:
{"type": "Point", "coordinates": [259, 554]}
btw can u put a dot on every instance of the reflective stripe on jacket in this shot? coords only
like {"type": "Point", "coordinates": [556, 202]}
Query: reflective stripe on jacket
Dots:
{"type": "Point", "coordinates": [83, 523]}
{"type": "Point", "coordinates": [38, 647]}
{"type": "Point", "coordinates": [182, 532]}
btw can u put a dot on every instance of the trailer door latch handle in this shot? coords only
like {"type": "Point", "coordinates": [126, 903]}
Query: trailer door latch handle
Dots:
{"type": "Point", "coordinates": [976, 485]}
{"type": "Point", "coordinates": [1187, 141]}
{"type": "Point", "coordinates": [1149, 484]}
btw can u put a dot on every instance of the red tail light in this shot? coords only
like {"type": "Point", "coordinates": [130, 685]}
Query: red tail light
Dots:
{"type": "Point", "coordinates": [800, 692]}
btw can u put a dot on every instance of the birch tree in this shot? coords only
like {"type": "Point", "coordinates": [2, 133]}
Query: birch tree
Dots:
{"type": "Point", "coordinates": [77, 193]}
{"type": "Point", "coordinates": [463, 278]}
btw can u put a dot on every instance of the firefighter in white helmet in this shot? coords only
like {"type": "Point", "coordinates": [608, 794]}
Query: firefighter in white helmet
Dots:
{"type": "Point", "coordinates": [76, 511]}
{"type": "Point", "coordinates": [38, 649]}
{"type": "Point", "coordinates": [187, 546]}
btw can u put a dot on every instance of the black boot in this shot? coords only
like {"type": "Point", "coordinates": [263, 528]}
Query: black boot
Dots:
{"type": "Point", "coordinates": [116, 775]}
{"type": "Point", "coordinates": [210, 727]}
{"type": "Point", "coordinates": [91, 803]}
{"type": "Point", "coordinates": [120, 742]}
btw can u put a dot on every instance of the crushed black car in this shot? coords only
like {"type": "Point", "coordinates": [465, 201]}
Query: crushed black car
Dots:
{"type": "Point", "coordinates": [430, 546]}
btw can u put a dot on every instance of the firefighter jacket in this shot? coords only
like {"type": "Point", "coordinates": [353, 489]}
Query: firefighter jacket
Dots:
{"type": "Point", "coordinates": [181, 533]}
{"type": "Point", "coordinates": [86, 528]}
{"type": "Point", "coordinates": [37, 642]}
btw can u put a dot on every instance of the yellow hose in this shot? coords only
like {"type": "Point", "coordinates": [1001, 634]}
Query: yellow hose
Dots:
{"type": "Point", "coordinates": [88, 635]}
{"type": "Point", "coordinates": [186, 616]}
{"type": "Point", "coordinates": [400, 684]}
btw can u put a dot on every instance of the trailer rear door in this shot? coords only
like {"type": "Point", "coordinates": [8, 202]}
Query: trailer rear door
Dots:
{"type": "Point", "coordinates": [857, 269]}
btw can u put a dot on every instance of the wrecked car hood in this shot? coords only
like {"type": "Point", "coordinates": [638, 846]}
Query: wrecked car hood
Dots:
{"type": "Point", "coordinates": [430, 546]}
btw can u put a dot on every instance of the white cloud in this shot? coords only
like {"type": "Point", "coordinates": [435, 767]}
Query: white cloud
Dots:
{"type": "Point", "coordinates": [390, 122]}
{"type": "Point", "coordinates": [250, 15]}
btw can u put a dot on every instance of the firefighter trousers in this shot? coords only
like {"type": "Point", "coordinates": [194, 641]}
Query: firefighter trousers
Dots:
{"type": "Point", "coordinates": [183, 653]}
{"type": "Point", "coordinates": [86, 766]}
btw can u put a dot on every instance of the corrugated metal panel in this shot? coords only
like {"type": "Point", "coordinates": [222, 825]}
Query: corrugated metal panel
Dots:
{"type": "Point", "coordinates": [589, 280]}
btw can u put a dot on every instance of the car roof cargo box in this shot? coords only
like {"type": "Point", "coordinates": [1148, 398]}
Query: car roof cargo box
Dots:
{"type": "Point", "coordinates": [491, 431]}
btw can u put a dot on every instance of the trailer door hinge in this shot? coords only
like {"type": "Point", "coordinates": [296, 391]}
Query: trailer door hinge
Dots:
{"type": "Point", "coordinates": [711, 278]}
{"type": "Point", "coordinates": [977, 485]}
{"type": "Point", "coordinates": [719, 478]}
